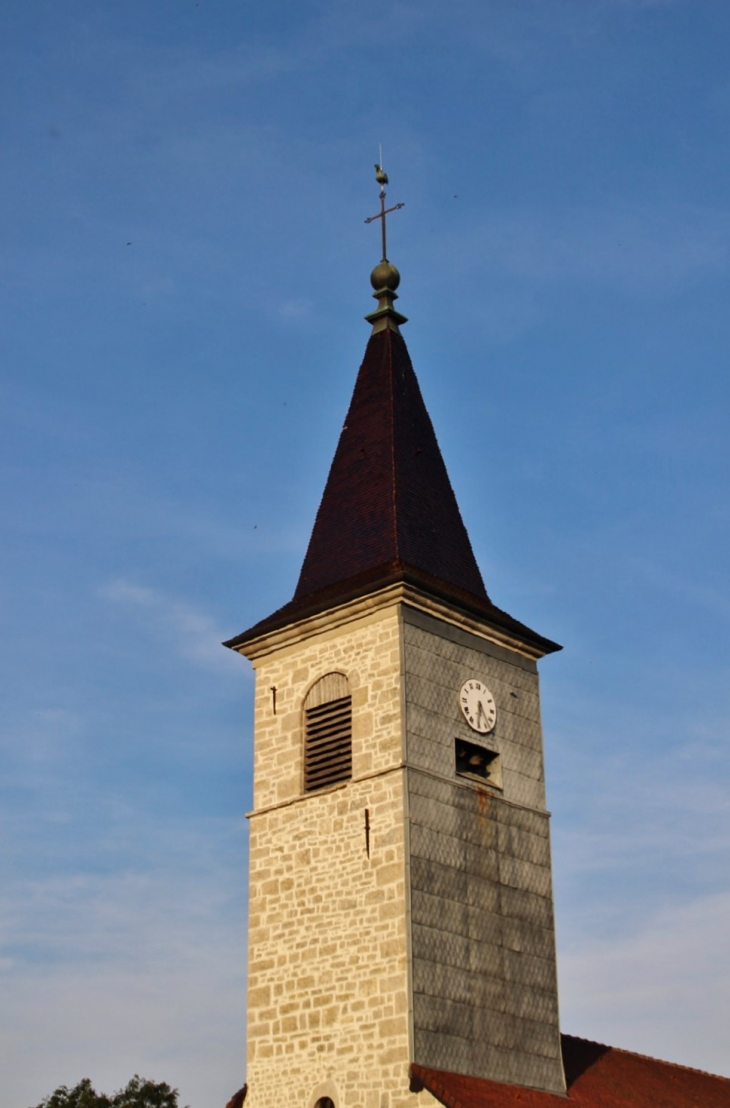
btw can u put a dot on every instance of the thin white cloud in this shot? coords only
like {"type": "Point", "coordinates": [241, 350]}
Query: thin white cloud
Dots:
{"type": "Point", "coordinates": [295, 309]}
{"type": "Point", "coordinates": [696, 592]}
{"type": "Point", "coordinates": [124, 973]}
{"type": "Point", "coordinates": [193, 633]}
{"type": "Point", "coordinates": [44, 737]}
{"type": "Point", "coordinates": [639, 247]}
{"type": "Point", "coordinates": [648, 810]}
{"type": "Point", "coordinates": [663, 990]}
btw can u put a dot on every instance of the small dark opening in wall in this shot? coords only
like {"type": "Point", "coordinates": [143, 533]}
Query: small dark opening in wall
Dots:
{"type": "Point", "coordinates": [325, 1102]}
{"type": "Point", "coordinates": [478, 763]}
{"type": "Point", "coordinates": [328, 744]}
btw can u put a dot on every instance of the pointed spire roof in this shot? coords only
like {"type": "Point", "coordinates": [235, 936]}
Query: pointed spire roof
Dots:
{"type": "Point", "coordinates": [388, 499]}
{"type": "Point", "coordinates": [388, 513]}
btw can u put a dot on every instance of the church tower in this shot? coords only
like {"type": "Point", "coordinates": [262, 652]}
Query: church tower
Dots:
{"type": "Point", "coordinates": [401, 914]}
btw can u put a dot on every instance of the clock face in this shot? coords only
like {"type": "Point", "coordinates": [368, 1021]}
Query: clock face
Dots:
{"type": "Point", "coordinates": [477, 704]}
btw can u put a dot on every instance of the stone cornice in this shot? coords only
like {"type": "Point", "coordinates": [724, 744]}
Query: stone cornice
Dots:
{"type": "Point", "coordinates": [377, 601]}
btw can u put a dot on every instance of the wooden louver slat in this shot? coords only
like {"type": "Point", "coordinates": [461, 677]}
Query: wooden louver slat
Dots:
{"type": "Point", "coordinates": [328, 743]}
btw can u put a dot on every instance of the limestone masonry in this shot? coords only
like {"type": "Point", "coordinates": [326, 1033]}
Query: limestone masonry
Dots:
{"type": "Point", "coordinates": [436, 948]}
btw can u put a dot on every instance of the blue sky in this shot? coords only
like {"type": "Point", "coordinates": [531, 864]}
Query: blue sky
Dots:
{"type": "Point", "coordinates": [183, 275]}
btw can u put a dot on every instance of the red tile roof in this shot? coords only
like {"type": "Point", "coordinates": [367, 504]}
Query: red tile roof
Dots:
{"type": "Point", "coordinates": [238, 1098]}
{"type": "Point", "coordinates": [388, 512]}
{"type": "Point", "coordinates": [597, 1077]}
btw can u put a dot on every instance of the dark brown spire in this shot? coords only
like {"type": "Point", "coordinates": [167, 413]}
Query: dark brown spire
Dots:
{"type": "Point", "coordinates": [388, 498]}
{"type": "Point", "coordinates": [388, 513]}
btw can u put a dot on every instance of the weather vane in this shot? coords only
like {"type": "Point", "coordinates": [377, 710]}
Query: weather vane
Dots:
{"type": "Point", "coordinates": [382, 178]}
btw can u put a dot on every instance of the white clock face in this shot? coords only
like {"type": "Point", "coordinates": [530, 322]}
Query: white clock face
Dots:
{"type": "Point", "coordinates": [477, 704]}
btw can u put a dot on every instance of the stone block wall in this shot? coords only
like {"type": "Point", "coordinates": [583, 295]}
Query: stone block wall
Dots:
{"type": "Point", "coordinates": [328, 996]}
{"type": "Point", "coordinates": [438, 945]}
{"type": "Point", "coordinates": [328, 969]}
{"type": "Point", "coordinates": [368, 652]}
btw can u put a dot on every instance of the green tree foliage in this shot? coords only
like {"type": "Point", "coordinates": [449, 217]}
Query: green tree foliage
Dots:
{"type": "Point", "coordinates": [137, 1093]}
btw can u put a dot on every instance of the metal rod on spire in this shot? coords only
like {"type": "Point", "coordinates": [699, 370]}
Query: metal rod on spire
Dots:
{"type": "Point", "coordinates": [382, 178]}
{"type": "Point", "coordinates": [385, 278]}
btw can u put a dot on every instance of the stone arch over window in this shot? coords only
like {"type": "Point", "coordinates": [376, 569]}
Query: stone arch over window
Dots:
{"type": "Point", "coordinates": [327, 733]}
{"type": "Point", "coordinates": [324, 1096]}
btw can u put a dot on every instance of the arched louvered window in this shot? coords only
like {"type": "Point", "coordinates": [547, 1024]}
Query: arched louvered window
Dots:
{"type": "Point", "coordinates": [327, 732]}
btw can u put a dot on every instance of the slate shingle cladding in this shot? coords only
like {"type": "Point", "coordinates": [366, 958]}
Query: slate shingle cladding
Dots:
{"type": "Point", "coordinates": [597, 1077]}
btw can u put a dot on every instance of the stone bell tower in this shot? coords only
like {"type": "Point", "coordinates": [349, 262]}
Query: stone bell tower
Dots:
{"type": "Point", "coordinates": [401, 909]}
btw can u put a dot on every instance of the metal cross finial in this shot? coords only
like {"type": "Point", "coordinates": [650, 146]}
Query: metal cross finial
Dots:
{"type": "Point", "coordinates": [382, 178]}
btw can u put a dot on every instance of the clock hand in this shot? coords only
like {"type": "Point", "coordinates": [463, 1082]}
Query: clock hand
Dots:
{"type": "Point", "coordinates": [481, 714]}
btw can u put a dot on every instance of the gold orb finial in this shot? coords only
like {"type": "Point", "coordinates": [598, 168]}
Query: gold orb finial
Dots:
{"type": "Point", "coordinates": [385, 276]}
